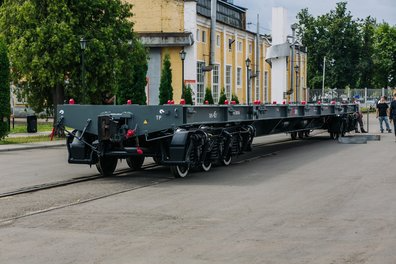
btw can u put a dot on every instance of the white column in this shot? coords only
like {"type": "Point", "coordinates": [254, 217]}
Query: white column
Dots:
{"type": "Point", "coordinates": [279, 70]}
{"type": "Point", "coordinates": [190, 25]}
{"type": "Point", "coordinates": [235, 49]}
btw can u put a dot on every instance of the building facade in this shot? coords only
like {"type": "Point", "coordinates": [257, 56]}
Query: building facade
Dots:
{"type": "Point", "coordinates": [217, 46]}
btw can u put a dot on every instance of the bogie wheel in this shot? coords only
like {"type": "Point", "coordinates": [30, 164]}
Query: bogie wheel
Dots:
{"type": "Point", "coordinates": [227, 160]}
{"type": "Point", "coordinates": [180, 171]}
{"type": "Point", "coordinates": [106, 165]}
{"type": "Point", "coordinates": [206, 166]}
{"type": "Point", "coordinates": [157, 160]}
{"type": "Point", "coordinates": [293, 135]}
{"type": "Point", "coordinates": [135, 162]}
{"type": "Point", "coordinates": [307, 133]}
{"type": "Point", "coordinates": [300, 134]}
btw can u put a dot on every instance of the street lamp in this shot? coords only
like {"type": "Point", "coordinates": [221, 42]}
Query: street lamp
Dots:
{"type": "Point", "coordinates": [83, 46]}
{"type": "Point", "coordinates": [248, 79]}
{"type": "Point", "coordinates": [182, 57]}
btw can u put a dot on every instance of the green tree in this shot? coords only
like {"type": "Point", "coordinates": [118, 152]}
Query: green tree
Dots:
{"type": "Point", "coordinates": [385, 55]}
{"type": "Point", "coordinates": [188, 95]}
{"type": "Point", "coordinates": [132, 84]}
{"type": "Point", "coordinates": [223, 96]}
{"type": "Point", "coordinates": [4, 91]}
{"type": "Point", "coordinates": [43, 37]}
{"type": "Point", "coordinates": [335, 36]}
{"type": "Point", "coordinates": [234, 97]}
{"type": "Point", "coordinates": [366, 67]}
{"type": "Point", "coordinates": [208, 96]}
{"type": "Point", "coordinates": [165, 89]}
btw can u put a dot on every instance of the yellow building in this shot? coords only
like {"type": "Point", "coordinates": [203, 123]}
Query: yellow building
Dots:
{"type": "Point", "coordinates": [216, 50]}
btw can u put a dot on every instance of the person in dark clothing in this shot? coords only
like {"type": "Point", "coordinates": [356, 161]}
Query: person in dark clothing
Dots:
{"type": "Point", "coordinates": [392, 113]}
{"type": "Point", "coordinates": [382, 114]}
{"type": "Point", "coordinates": [107, 99]}
{"type": "Point", "coordinates": [359, 119]}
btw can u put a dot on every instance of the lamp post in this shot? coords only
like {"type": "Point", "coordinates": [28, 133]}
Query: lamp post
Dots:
{"type": "Point", "coordinates": [293, 27]}
{"type": "Point", "coordinates": [324, 74]}
{"type": "Point", "coordinates": [182, 57]}
{"type": "Point", "coordinates": [83, 45]}
{"type": "Point", "coordinates": [248, 80]}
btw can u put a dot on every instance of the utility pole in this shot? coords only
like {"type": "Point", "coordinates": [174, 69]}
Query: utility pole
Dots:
{"type": "Point", "coordinates": [323, 79]}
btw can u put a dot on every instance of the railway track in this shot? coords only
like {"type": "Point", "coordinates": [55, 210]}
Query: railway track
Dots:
{"type": "Point", "coordinates": [36, 188]}
{"type": "Point", "coordinates": [46, 186]}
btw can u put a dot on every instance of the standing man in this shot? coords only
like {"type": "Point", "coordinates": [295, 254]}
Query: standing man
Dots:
{"type": "Point", "coordinates": [382, 114]}
{"type": "Point", "coordinates": [392, 114]}
{"type": "Point", "coordinates": [359, 118]}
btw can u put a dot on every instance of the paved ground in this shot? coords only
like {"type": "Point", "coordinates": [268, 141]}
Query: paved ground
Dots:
{"type": "Point", "coordinates": [312, 201]}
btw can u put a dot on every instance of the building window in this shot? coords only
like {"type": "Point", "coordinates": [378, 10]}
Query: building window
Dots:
{"type": "Point", "coordinates": [258, 87]}
{"type": "Point", "coordinates": [230, 42]}
{"type": "Point", "coordinates": [266, 86]}
{"type": "Point", "coordinates": [198, 34]}
{"type": "Point", "coordinates": [200, 82]}
{"type": "Point", "coordinates": [239, 76]}
{"type": "Point", "coordinates": [228, 82]}
{"type": "Point", "coordinates": [218, 40]}
{"type": "Point", "coordinates": [239, 46]}
{"type": "Point", "coordinates": [203, 36]}
{"type": "Point", "coordinates": [215, 84]}
{"type": "Point", "coordinates": [250, 48]}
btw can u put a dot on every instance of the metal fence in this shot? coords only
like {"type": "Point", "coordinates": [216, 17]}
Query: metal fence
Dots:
{"type": "Point", "coordinates": [367, 97]}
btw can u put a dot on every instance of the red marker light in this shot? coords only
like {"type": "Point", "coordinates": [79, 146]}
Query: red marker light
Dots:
{"type": "Point", "coordinates": [139, 151]}
{"type": "Point", "coordinates": [333, 102]}
{"type": "Point", "coordinates": [206, 102]}
{"type": "Point", "coordinates": [233, 102]}
{"type": "Point", "coordinates": [319, 102]}
{"type": "Point", "coordinates": [226, 102]}
{"type": "Point", "coordinates": [172, 102]}
{"type": "Point", "coordinates": [130, 133]}
{"type": "Point", "coordinates": [303, 102]}
{"type": "Point", "coordinates": [169, 102]}
{"type": "Point", "coordinates": [71, 101]}
{"type": "Point", "coordinates": [284, 102]}
{"type": "Point", "coordinates": [129, 102]}
{"type": "Point", "coordinates": [182, 102]}
{"type": "Point", "coordinates": [258, 102]}
{"type": "Point", "coordinates": [274, 102]}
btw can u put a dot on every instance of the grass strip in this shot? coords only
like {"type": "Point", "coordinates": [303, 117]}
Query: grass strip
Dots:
{"type": "Point", "coordinates": [22, 140]}
{"type": "Point", "coordinates": [22, 128]}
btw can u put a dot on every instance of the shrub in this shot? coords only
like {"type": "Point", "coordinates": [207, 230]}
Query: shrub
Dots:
{"type": "Point", "coordinates": [165, 89]}
{"type": "Point", "coordinates": [208, 96]}
{"type": "Point", "coordinates": [188, 95]}
{"type": "Point", "coordinates": [223, 97]}
{"type": "Point", "coordinates": [234, 97]}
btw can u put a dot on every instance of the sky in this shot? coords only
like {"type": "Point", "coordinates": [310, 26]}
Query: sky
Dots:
{"type": "Point", "coordinates": [382, 10]}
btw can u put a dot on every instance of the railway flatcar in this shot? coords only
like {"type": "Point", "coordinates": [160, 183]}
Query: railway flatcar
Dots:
{"type": "Point", "coordinates": [187, 136]}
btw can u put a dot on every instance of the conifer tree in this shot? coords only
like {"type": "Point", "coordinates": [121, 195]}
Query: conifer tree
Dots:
{"type": "Point", "coordinates": [4, 91]}
{"type": "Point", "coordinates": [165, 89]}
{"type": "Point", "coordinates": [234, 97]}
{"type": "Point", "coordinates": [208, 96]}
{"type": "Point", "coordinates": [188, 95]}
{"type": "Point", "coordinates": [223, 97]}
